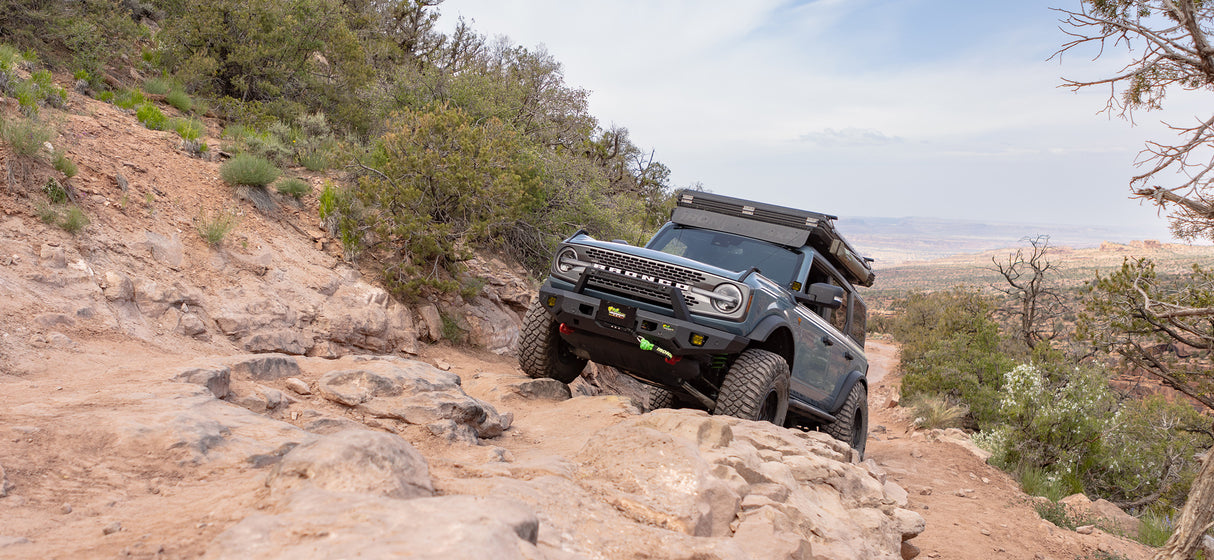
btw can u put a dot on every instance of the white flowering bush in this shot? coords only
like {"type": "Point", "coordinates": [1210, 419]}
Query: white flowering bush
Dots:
{"type": "Point", "coordinates": [1049, 421]}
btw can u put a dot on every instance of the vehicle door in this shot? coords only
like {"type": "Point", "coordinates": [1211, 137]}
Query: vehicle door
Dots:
{"type": "Point", "coordinates": [823, 349]}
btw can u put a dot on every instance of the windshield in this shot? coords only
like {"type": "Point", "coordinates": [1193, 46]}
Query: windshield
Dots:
{"type": "Point", "coordinates": [729, 251]}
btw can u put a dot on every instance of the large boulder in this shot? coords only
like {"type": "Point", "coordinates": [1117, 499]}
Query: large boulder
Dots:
{"type": "Point", "coordinates": [413, 392]}
{"type": "Point", "coordinates": [355, 461]}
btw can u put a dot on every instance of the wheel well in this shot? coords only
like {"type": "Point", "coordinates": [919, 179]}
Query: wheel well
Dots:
{"type": "Point", "coordinates": [779, 342]}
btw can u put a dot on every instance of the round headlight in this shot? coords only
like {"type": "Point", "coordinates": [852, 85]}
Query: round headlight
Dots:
{"type": "Point", "coordinates": [731, 300]}
{"type": "Point", "coordinates": [566, 260]}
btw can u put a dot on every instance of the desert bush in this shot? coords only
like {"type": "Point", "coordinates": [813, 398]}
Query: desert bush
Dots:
{"type": "Point", "coordinates": [151, 116]}
{"type": "Point", "coordinates": [214, 228]}
{"type": "Point", "coordinates": [936, 412]}
{"type": "Point", "coordinates": [26, 136]}
{"type": "Point", "coordinates": [250, 170]}
{"type": "Point", "coordinates": [64, 165]}
{"type": "Point", "coordinates": [342, 215]}
{"type": "Point", "coordinates": [157, 86]}
{"type": "Point", "coordinates": [1040, 482]}
{"type": "Point", "coordinates": [188, 129]}
{"type": "Point", "coordinates": [106, 96]}
{"type": "Point", "coordinates": [54, 191]}
{"type": "Point", "coordinates": [179, 100]}
{"type": "Point", "coordinates": [293, 187]}
{"type": "Point", "coordinates": [1154, 529]}
{"type": "Point", "coordinates": [129, 99]}
{"type": "Point", "coordinates": [73, 220]}
{"type": "Point", "coordinates": [47, 213]}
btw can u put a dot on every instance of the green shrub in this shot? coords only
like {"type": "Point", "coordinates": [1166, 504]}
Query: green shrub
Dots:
{"type": "Point", "coordinates": [342, 215]}
{"type": "Point", "coordinates": [26, 136]}
{"type": "Point", "coordinates": [47, 213]}
{"type": "Point", "coordinates": [151, 116]}
{"type": "Point", "coordinates": [54, 191]}
{"type": "Point", "coordinates": [156, 86]}
{"type": "Point", "coordinates": [129, 99]}
{"type": "Point", "coordinates": [9, 58]}
{"type": "Point", "coordinates": [1154, 530]}
{"type": "Point", "coordinates": [64, 165]}
{"type": "Point", "coordinates": [315, 160]}
{"type": "Point", "coordinates": [247, 169]}
{"type": "Point", "coordinates": [1040, 482]}
{"type": "Point", "coordinates": [215, 227]}
{"type": "Point", "coordinates": [106, 96]}
{"type": "Point", "coordinates": [73, 220]}
{"type": "Point", "coordinates": [179, 100]}
{"type": "Point", "coordinates": [188, 129]}
{"type": "Point", "coordinates": [294, 187]}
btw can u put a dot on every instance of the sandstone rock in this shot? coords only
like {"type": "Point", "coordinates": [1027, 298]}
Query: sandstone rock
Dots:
{"type": "Point", "coordinates": [490, 325]}
{"type": "Point", "coordinates": [1207, 546]}
{"type": "Point", "coordinates": [331, 425]}
{"type": "Point", "coordinates": [1085, 529]}
{"type": "Point", "coordinates": [166, 250]}
{"type": "Point", "coordinates": [265, 367]}
{"type": "Point", "coordinates": [543, 389]}
{"type": "Point", "coordinates": [433, 321]}
{"type": "Point", "coordinates": [112, 528]}
{"type": "Point", "coordinates": [52, 320]}
{"type": "Point", "coordinates": [216, 378]}
{"type": "Point", "coordinates": [414, 393]}
{"type": "Point", "coordinates": [282, 341]}
{"type": "Point", "coordinates": [355, 461]}
{"type": "Point", "coordinates": [366, 317]}
{"type": "Point", "coordinates": [909, 551]}
{"type": "Point", "coordinates": [191, 325]}
{"type": "Point", "coordinates": [1118, 517]}
{"type": "Point", "coordinates": [658, 478]}
{"type": "Point", "coordinates": [298, 386]}
{"type": "Point", "coordinates": [358, 525]}
{"type": "Point", "coordinates": [53, 256]}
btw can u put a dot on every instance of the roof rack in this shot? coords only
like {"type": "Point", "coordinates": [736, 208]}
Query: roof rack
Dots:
{"type": "Point", "coordinates": [776, 224]}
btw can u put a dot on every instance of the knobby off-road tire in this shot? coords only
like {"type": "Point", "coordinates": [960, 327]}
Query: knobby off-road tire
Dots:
{"type": "Point", "coordinates": [755, 388]}
{"type": "Point", "coordinates": [851, 423]}
{"type": "Point", "coordinates": [541, 350]}
{"type": "Point", "coordinates": [659, 398]}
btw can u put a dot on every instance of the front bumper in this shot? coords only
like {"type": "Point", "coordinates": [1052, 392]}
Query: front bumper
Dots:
{"type": "Point", "coordinates": [615, 343]}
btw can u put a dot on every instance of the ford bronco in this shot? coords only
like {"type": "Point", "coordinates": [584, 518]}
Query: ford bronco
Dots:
{"type": "Point", "coordinates": [737, 307]}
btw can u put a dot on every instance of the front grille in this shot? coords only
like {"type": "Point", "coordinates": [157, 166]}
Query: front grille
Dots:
{"type": "Point", "coordinates": [655, 294]}
{"type": "Point", "coordinates": [640, 265]}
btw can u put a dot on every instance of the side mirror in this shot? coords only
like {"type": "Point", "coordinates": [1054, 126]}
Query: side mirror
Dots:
{"type": "Point", "coordinates": [829, 296]}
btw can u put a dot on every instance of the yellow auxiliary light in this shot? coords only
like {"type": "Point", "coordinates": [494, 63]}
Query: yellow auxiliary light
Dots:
{"type": "Point", "coordinates": [551, 301]}
{"type": "Point", "coordinates": [698, 339]}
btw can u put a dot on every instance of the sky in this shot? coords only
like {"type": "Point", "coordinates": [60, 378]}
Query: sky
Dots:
{"type": "Point", "coordinates": [881, 108]}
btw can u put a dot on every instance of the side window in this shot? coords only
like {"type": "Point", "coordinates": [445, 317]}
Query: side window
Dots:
{"type": "Point", "coordinates": [859, 320]}
{"type": "Point", "coordinates": [839, 318]}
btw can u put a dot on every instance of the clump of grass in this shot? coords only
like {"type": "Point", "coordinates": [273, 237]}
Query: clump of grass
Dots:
{"type": "Point", "coordinates": [156, 86]}
{"type": "Point", "coordinates": [47, 213]}
{"type": "Point", "coordinates": [179, 100]}
{"type": "Point", "coordinates": [54, 191]}
{"type": "Point", "coordinates": [129, 99]}
{"type": "Point", "coordinates": [1154, 530]}
{"type": "Point", "coordinates": [106, 96]}
{"type": "Point", "coordinates": [9, 58]}
{"type": "Point", "coordinates": [151, 117]}
{"type": "Point", "coordinates": [1039, 482]}
{"type": "Point", "coordinates": [314, 160]}
{"type": "Point", "coordinates": [249, 170]}
{"type": "Point", "coordinates": [452, 331]}
{"type": "Point", "coordinates": [73, 220]}
{"type": "Point", "coordinates": [64, 165]}
{"type": "Point", "coordinates": [294, 187]}
{"type": "Point", "coordinates": [215, 227]}
{"type": "Point", "coordinates": [188, 129]}
{"type": "Point", "coordinates": [937, 412]}
{"type": "Point", "coordinates": [26, 136]}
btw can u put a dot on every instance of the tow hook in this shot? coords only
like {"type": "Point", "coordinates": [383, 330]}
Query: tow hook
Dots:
{"type": "Point", "coordinates": [649, 346]}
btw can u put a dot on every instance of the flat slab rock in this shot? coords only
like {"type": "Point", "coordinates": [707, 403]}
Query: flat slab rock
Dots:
{"type": "Point", "coordinates": [318, 524]}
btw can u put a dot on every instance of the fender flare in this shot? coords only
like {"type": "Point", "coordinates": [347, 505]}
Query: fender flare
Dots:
{"type": "Point", "coordinates": [767, 326]}
{"type": "Point", "coordinates": [850, 381]}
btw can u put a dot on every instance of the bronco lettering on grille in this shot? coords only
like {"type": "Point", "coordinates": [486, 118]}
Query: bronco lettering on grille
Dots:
{"type": "Point", "coordinates": [639, 276]}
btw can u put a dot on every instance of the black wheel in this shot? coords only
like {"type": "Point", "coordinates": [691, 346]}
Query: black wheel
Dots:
{"type": "Point", "coordinates": [851, 422]}
{"type": "Point", "coordinates": [659, 398]}
{"type": "Point", "coordinates": [755, 388]}
{"type": "Point", "coordinates": [541, 350]}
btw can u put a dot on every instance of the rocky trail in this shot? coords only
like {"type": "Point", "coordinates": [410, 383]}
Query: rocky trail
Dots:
{"type": "Point", "coordinates": [163, 398]}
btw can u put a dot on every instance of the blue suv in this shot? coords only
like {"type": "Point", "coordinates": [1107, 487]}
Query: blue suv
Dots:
{"type": "Point", "coordinates": [737, 307]}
